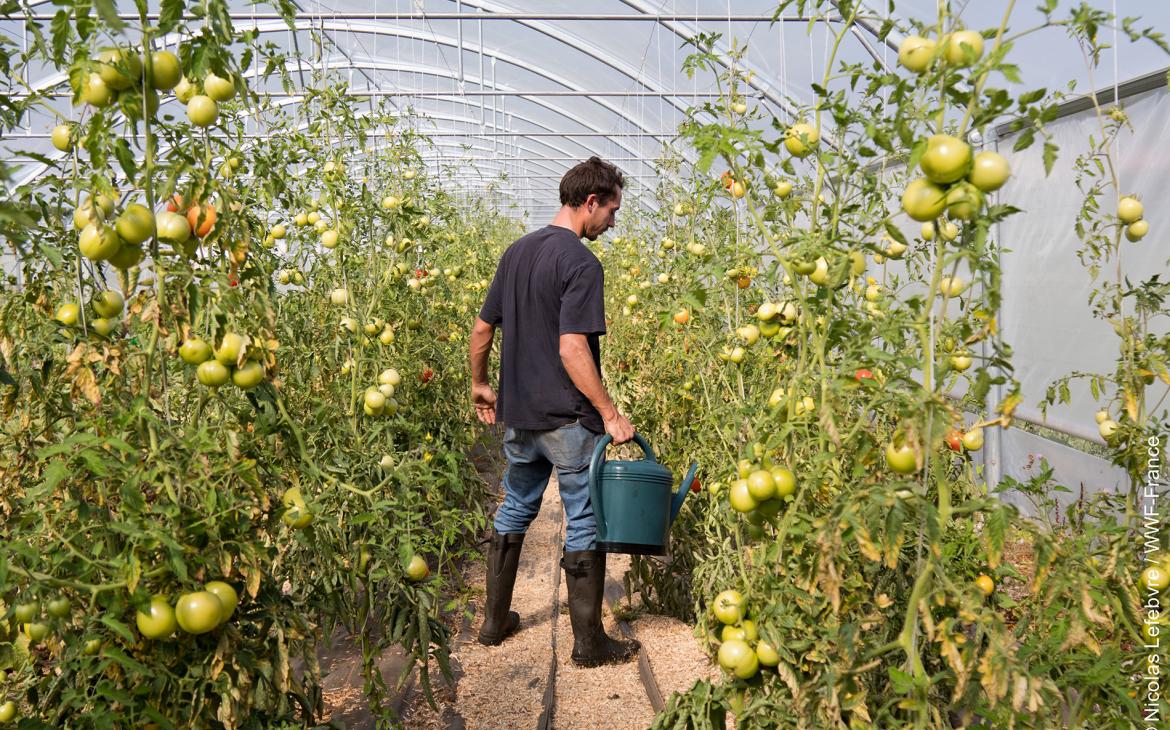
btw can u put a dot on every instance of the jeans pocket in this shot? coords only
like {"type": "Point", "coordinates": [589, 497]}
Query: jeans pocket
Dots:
{"type": "Point", "coordinates": [570, 447]}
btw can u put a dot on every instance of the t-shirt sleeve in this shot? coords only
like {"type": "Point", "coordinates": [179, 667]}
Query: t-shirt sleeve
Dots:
{"type": "Point", "coordinates": [583, 300]}
{"type": "Point", "coordinates": [492, 311]}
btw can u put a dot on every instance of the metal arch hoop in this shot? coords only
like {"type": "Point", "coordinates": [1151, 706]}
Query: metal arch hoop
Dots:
{"type": "Point", "coordinates": [615, 138]}
{"type": "Point", "coordinates": [426, 70]}
{"type": "Point", "coordinates": [447, 41]}
{"type": "Point", "coordinates": [415, 68]}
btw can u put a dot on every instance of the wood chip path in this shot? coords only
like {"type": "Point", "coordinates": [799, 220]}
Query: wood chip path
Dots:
{"type": "Point", "coordinates": [513, 685]}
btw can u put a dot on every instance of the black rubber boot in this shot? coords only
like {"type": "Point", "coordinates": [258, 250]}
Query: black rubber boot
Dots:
{"type": "Point", "coordinates": [503, 557]}
{"type": "Point", "coordinates": [585, 575]}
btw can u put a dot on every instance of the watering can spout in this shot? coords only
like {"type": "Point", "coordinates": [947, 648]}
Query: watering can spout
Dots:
{"type": "Point", "coordinates": [684, 489]}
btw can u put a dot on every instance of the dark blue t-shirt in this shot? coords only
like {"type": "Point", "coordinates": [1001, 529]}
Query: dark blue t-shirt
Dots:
{"type": "Point", "coordinates": [547, 284]}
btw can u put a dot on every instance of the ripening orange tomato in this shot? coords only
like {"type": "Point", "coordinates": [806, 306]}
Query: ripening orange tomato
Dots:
{"type": "Point", "coordinates": [194, 213]}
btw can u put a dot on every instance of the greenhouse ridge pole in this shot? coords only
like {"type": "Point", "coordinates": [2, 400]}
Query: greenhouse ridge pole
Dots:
{"type": "Point", "coordinates": [460, 16]}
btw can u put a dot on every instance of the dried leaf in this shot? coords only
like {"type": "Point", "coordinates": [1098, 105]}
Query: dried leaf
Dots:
{"type": "Point", "coordinates": [1091, 612]}
{"type": "Point", "coordinates": [85, 383]}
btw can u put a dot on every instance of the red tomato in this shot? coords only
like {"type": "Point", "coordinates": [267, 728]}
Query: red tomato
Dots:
{"type": "Point", "coordinates": [420, 273]}
{"type": "Point", "coordinates": [427, 375]}
{"type": "Point", "coordinates": [955, 440]}
{"type": "Point", "coordinates": [696, 486]}
{"type": "Point", "coordinates": [175, 204]}
{"type": "Point", "coordinates": [862, 374]}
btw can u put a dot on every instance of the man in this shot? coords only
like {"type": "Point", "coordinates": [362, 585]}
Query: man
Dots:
{"type": "Point", "coordinates": [548, 296]}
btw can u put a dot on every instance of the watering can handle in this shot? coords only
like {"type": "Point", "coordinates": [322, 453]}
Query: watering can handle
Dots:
{"type": "Point", "coordinates": [595, 465]}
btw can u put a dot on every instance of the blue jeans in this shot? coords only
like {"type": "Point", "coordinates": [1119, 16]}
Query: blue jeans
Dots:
{"type": "Point", "coordinates": [531, 457]}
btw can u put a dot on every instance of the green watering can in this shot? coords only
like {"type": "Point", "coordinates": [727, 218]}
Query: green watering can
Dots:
{"type": "Point", "coordinates": [634, 501]}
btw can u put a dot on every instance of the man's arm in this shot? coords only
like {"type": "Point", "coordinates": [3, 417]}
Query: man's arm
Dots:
{"type": "Point", "coordinates": [578, 362]}
{"type": "Point", "coordinates": [482, 395]}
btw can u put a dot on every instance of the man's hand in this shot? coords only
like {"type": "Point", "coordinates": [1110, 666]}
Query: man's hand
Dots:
{"type": "Point", "coordinates": [619, 427]}
{"type": "Point", "coordinates": [484, 399]}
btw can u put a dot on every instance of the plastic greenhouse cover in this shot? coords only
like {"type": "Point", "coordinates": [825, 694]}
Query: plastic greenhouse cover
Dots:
{"type": "Point", "coordinates": [390, 47]}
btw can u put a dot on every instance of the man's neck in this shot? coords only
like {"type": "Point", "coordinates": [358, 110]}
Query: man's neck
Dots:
{"type": "Point", "coordinates": [567, 217]}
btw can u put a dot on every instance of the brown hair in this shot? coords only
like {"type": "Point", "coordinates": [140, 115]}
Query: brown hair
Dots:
{"type": "Point", "coordinates": [591, 177]}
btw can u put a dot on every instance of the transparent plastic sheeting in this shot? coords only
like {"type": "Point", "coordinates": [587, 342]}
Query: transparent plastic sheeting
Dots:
{"type": "Point", "coordinates": [1046, 316]}
{"type": "Point", "coordinates": [1083, 475]}
{"type": "Point", "coordinates": [398, 47]}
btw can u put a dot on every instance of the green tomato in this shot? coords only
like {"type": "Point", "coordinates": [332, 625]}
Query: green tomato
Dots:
{"type": "Point", "coordinates": [108, 303]}
{"type": "Point", "coordinates": [740, 496]}
{"type": "Point", "coordinates": [963, 48]}
{"type": "Point", "coordinates": [1130, 209]}
{"type": "Point", "coordinates": [1137, 230]}
{"type": "Point", "coordinates": [158, 620]}
{"type": "Point", "coordinates": [901, 459]}
{"type": "Point", "coordinates": [296, 513]}
{"type": "Point", "coordinates": [923, 200]}
{"type": "Point", "coordinates": [761, 485]}
{"type": "Point", "coordinates": [227, 596]}
{"type": "Point", "coordinates": [785, 481]}
{"type": "Point", "coordinates": [67, 314]}
{"type": "Point", "coordinates": [98, 242]}
{"type": "Point", "coordinates": [915, 53]}
{"type": "Point", "coordinates": [731, 632]}
{"type": "Point", "coordinates": [58, 607]}
{"type": "Point", "coordinates": [212, 373]}
{"type": "Point", "coordinates": [973, 439]}
{"type": "Point", "coordinates": [165, 71]}
{"type": "Point", "coordinates": [736, 657]}
{"type": "Point", "coordinates": [95, 91]}
{"type": "Point", "coordinates": [800, 139]}
{"type": "Point", "coordinates": [103, 326]}
{"type": "Point", "coordinates": [964, 201]}
{"type": "Point", "coordinates": [185, 91]}
{"type": "Point", "coordinates": [199, 612]}
{"type": "Point", "coordinates": [24, 613]}
{"type": "Point", "coordinates": [417, 569]}
{"type": "Point", "coordinates": [1155, 578]}
{"type": "Point", "coordinates": [219, 89]}
{"type": "Point", "coordinates": [127, 257]}
{"type": "Point", "coordinates": [946, 160]}
{"type": "Point", "coordinates": [989, 171]}
{"type": "Point", "coordinates": [767, 654]}
{"type": "Point", "coordinates": [249, 375]}
{"type": "Point", "coordinates": [195, 351]}
{"type": "Point", "coordinates": [230, 347]}
{"type": "Point", "coordinates": [172, 227]}
{"type": "Point", "coordinates": [202, 111]}
{"type": "Point", "coordinates": [750, 632]}
{"type": "Point", "coordinates": [119, 68]}
{"type": "Point", "coordinates": [729, 607]}
{"type": "Point", "coordinates": [62, 137]}
{"type": "Point", "coordinates": [136, 224]}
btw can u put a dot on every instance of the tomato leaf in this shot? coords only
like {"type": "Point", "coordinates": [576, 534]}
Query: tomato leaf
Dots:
{"type": "Point", "coordinates": [122, 630]}
{"type": "Point", "coordinates": [916, 153]}
{"type": "Point", "coordinates": [895, 232]}
{"type": "Point", "coordinates": [55, 473]}
{"type": "Point", "coordinates": [125, 158]}
{"type": "Point", "coordinates": [170, 13]}
{"type": "Point", "coordinates": [108, 10]}
{"type": "Point", "coordinates": [62, 32]}
{"type": "Point", "coordinates": [1050, 150]}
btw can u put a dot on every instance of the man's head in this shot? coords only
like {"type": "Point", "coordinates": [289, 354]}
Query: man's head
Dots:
{"type": "Point", "coordinates": [593, 189]}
